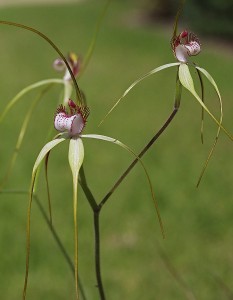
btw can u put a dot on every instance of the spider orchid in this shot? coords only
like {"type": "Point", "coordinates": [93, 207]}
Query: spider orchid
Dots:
{"type": "Point", "coordinates": [71, 123]}
{"type": "Point", "coordinates": [184, 46]}
{"type": "Point", "coordinates": [72, 67]}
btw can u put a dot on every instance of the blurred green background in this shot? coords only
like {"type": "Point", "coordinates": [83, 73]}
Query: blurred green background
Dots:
{"type": "Point", "coordinates": [198, 222]}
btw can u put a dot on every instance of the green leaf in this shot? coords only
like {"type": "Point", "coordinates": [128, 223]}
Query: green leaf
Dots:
{"type": "Point", "coordinates": [114, 141]}
{"type": "Point", "coordinates": [156, 70]}
{"type": "Point", "coordinates": [76, 156]}
{"type": "Point", "coordinates": [29, 88]}
{"type": "Point", "coordinates": [187, 81]}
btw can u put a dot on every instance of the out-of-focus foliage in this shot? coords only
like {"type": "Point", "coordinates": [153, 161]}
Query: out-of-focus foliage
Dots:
{"type": "Point", "coordinates": [212, 17]}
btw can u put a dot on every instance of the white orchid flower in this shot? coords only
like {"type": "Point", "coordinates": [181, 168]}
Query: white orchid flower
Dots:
{"type": "Point", "coordinates": [186, 44]}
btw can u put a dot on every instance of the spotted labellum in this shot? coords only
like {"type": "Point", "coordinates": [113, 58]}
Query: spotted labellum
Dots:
{"type": "Point", "coordinates": [184, 45]}
{"type": "Point", "coordinates": [73, 122]}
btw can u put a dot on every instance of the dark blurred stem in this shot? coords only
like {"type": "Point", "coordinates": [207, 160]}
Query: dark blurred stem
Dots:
{"type": "Point", "coordinates": [97, 255]}
{"type": "Point", "coordinates": [202, 109]}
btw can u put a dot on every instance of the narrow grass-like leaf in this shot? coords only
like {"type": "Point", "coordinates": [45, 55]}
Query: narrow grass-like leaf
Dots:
{"type": "Point", "coordinates": [156, 70]}
{"type": "Point", "coordinates": [187, 81]}
{"type": "Point", "coordinates": [114, 141]}
{"type": "Point", "coordinates": [48, 147]}
{"type": "Point", "coordinates": [211, 80]}
{"type": "Point", "coordinates": [29, 88]}
{"type": "Point", "coordinates": [76, 156]}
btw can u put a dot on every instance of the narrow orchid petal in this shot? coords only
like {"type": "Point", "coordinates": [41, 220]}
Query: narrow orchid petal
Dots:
{"type": "Point", "coordinates": [47, 148]}
{"type": "Point", "coordinates": [26, 90]}
{"type": "Point", "coordinates": [76, 156]}
{"type": "Point", "coordinates": [47, 187]}
{"type": "Point", "coordinates": [156, 70]}
{"type": "Point", "coordinates": [187, 81]}
{"type": "Point", "coordinates": [114, 141]}
{"type": "Point", "coordinates": [211, 80]}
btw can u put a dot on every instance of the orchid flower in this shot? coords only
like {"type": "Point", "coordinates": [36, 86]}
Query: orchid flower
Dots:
{"type": "Point", "coordinates": [184, 46]}
{"type": "Point", "coordinates": [70, 125]}
{"type": "Point", "coordinates": [70, 65]}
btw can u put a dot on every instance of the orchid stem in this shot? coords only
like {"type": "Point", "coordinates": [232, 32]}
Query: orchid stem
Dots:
{"type": "Point", "coordinates": [96, 213]}
{"type": "Point", "coordinates": [97, 207]}
{"type": "Point", "coordinates": [178, 93]}
{"type": "Point", "coordinates": [144, 150]}
{"type": "Point", "coordinates": [97, 255]}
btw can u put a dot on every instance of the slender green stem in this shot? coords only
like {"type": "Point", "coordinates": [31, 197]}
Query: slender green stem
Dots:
{"type": "Point", "coordinates": [96, 215]}
{"type": "Point", "coordinates": [97, 255]}
{"type": "Point", "coordinates": [87, 191]}
{"type": "Point", "coordinates": [144, 150]}
{"type": "Point", "coordinates": [151, 142]}
{"type": "Point", "coordinates": [97, 208]}
{"type": "Point", "coordinates": [78, 92]}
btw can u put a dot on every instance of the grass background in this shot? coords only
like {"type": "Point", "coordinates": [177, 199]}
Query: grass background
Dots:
{"type": "Point", "coordinates": [198, 222]}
